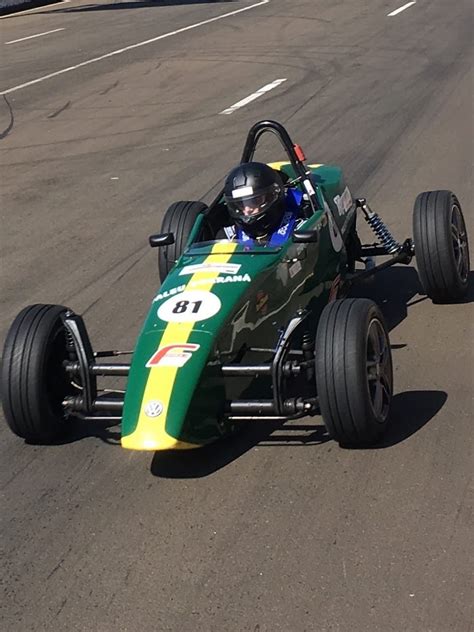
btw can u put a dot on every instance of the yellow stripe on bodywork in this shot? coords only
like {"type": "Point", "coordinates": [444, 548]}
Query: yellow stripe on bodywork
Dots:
{"type": "Point", "coordinates": [150, 433]}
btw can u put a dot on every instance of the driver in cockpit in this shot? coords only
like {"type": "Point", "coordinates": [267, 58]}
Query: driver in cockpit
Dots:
{"type": "Point", "coordinates": [259, 205]}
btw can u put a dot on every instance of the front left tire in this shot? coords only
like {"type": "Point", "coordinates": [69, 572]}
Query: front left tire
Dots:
{"type": "Point", "coordinates": [34, 382]}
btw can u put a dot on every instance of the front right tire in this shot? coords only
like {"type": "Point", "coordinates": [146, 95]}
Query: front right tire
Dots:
{"type": "Point", "coordinates": [354, 374]}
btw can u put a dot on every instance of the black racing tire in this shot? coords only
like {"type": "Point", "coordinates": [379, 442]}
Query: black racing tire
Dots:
{"type": "Point", "coordinates": [354, 373]}
{"type": "Point", "coordinates": [179, 219]}
{"type": "Point", "coordinates": [441, 246]}
{"type": "Point", "coordinates": [33, 380]}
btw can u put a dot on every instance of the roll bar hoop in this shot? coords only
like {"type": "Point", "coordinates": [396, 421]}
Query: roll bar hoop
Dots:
{"type": "Point", "coordinates": [303, 173]}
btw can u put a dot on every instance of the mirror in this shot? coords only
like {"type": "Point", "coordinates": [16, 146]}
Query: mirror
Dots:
{"type": "Point", "coordinates": [305, 236]}
{"type": "Point", "coordinates": [161, 239]}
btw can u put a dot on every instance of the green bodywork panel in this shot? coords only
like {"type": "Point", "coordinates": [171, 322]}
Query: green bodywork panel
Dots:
{"type": "Point", "coordinates": [256, 304]}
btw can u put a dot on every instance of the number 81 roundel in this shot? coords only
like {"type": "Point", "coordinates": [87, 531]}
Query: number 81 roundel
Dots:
{"type": "Point", "coordinates": [189, 307]}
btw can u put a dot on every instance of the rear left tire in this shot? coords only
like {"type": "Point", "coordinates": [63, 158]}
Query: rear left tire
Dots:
{"type": "Point", "coordinates": [179, 219]}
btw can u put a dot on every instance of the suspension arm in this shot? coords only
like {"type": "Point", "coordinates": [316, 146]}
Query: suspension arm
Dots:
{"type": "Point", "coordinates": [403, 256]}
{"type": "Point", "coordinates": [74, 368]}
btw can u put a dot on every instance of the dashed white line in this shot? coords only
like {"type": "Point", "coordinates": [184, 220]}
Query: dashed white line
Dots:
{"type": "Point", "coordinates": [400, 9]}
{"type": "Point", "coordinates": [132, 47]}
{"type": "Point", "coordinates": [22, 39]}
{"type": "Point", "coordinates": [253, 96]}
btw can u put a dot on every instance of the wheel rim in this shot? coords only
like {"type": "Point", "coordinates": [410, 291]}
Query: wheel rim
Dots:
{"type": "Point", "coordinates": [379, 370]}
{"type": "Point", "coordinates": [460, 244]}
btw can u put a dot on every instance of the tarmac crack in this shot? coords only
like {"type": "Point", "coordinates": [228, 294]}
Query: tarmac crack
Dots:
{"type": "Point", "coordinates": [9, 127]}
{"type": "Point", "coordinates": [61, 109]}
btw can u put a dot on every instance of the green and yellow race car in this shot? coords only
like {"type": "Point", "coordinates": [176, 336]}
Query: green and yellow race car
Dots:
{"type": "Point", "coordinates": [242, 329]}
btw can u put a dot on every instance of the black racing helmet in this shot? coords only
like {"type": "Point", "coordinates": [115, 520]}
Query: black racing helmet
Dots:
{"type": "Point", "coordinates": [255, 196]}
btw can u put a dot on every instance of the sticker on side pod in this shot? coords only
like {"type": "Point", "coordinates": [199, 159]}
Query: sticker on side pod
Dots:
{"type": "Point", "coordinates": [334, 232]}
{"type": "Point", "coordinates": [346, 199]}
{"type": "Point", "coordinates": [189, 307]}
{"type": "Point", "coordinates": [295, 268]}
{"type": "Point", "coordinates": [343, 201]}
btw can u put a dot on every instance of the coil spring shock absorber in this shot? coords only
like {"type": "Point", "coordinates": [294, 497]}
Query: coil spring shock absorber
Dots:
{"type": "Point", "coordinates": [379, 228]}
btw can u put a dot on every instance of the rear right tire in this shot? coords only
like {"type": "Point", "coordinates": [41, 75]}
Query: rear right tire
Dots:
{"type": "Point", "coordinates": [441, 246]}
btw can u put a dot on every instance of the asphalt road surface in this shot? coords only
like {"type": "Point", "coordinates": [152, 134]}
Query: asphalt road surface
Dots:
{"type": "Point", "coordinates": [280, 529]}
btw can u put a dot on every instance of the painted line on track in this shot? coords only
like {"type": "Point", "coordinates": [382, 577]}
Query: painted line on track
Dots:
{"type": "Point", "coordinates": [132, 47]}
{"type": "Point", "coordinates": [22, 39]}
{"type": "Point", "coordinates": [400, 9]}
{"type": "Point", "coordinates": [253, 96]}
{"type": "Point", "coordinates": [44, 6]}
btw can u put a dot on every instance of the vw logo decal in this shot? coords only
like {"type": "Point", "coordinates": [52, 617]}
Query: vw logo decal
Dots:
{"type": "Point", "coordinates": [154, 408]}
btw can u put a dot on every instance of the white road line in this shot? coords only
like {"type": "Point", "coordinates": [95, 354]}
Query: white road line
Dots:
{"type": "Point", "coordinates": [44, 6]}
{"type": "Point", "coordinates": [253, 96]}
{"type": "Point", "coordinates": [131, 47]}
{"type": "Point", "coordinates": [32, 36]}
{"type": "Point", "coordinates": [397, 11]}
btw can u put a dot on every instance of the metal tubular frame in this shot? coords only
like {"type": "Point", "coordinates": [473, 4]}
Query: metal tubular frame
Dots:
{"type": "Point", "coordinates": [237, 370]}
{"type": "Point", "coordinates": [85, 368]}
{"type": "Point", "coordinates": [74, 368]}
{"type": "Point", "coordinates": [276, 408]}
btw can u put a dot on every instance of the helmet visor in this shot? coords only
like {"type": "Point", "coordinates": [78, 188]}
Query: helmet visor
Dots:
{"type": "Point", "coordinates": [248, 204]}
